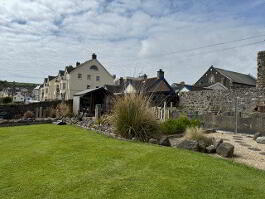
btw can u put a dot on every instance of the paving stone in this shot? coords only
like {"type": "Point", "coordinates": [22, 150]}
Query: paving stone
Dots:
{"type": "Point", "coordinates": [254, 149]}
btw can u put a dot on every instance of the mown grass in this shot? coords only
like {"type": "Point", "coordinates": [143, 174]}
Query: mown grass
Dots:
{"type": "Point", "coordinates": [48, 161]}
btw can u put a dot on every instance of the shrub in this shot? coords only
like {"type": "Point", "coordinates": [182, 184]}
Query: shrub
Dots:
{"type": "Point", "coordinates": [195, 123]}
{"type": "Point", "coordinates": [6, 100]}
{"type": "Point", "coordinates": [62, 110]}
{"type": "Point", "coordinates": [197, 135]}
{"type": "Point", "coordinates": [133, 117]}
{"type": "Point", "coordinates": [28, 115]}
{"type": "Point", "coordinates": [178, 125]}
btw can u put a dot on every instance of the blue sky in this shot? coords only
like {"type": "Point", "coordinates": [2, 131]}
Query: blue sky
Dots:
{"type": "Point", "coordinates": [40, 37]}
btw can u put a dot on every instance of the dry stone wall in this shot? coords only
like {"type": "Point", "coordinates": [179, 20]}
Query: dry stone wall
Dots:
{"type": "Point", "coordinates": [217, 101]}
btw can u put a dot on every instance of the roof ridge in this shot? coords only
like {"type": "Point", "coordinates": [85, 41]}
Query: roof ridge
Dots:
{"type": "Point", "coordinates": [231, 71]}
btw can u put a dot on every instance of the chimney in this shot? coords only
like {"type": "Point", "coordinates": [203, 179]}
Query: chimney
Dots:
{"type": "Point", "coordinates": [145, 76]}
{"type": "Point", "coordinates": [77, 64]}
{"type": "Point", "coordinates": [121, 81]}
{"type": "Point", "coordinates": [160, 74]}
{"type": "Point", "coordinates": [94, 56]}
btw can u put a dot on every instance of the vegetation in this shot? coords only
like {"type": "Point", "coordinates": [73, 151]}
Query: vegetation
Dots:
{"type": "Point", "coordinates": [5, 84]}
{"type": "Point", "coordinates": [195, 133]}
{"type": "Point", "coordinates": [49, 161]}
{"type": "Point", "coordinates": [63, 110]}
{"type": "Point", "coordinates": [28, 115]}
{"type": "Point", "coordinates": [178, 125]}
{"type": "Point", "coordinates": [6, 100]}
{"type": "Point", "coordinates": [133, 117]}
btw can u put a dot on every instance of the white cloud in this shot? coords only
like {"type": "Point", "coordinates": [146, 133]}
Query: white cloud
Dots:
{"type": "Point", "coordinates": [37, 38]}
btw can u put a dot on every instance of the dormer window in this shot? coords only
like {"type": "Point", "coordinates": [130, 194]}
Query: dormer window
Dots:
{"type": "Point", "coordinates": [94, 68]}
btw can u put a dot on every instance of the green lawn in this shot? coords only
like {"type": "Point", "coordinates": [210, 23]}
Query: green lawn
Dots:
{"type": "Point", "coordinates": [48, 161]}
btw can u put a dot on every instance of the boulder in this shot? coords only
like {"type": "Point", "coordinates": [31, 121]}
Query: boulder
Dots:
{"type": "Point", "coordinates": [260, 140]}
{"type": "Point", "coordinates": [189, 145]}
{"type": "Point", "coordinates": [256, 135]}
{"type": "Point", "coordinates": [225, 150]}
{"type": "Point", "coordinates": [210, 149]}
{"type": "Point", "coordinates": [164, 141]}
{"type": "Point", "coordinates": [217, 142]}
{"type": "Point", "coordinates": [202, 146]}
{"type": "Point", "coordinates": [152, 141]}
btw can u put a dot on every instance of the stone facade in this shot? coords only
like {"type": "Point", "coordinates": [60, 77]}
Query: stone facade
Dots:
{"type": "Point", "coordinates": [221, 101]}
{"type": "Point", "coordinates": [261, 70]}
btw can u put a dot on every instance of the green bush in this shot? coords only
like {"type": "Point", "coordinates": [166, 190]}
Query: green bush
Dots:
{"type": "Point", "coordinates": [6, 100]}
{"type": "Point", "coordinates": [133, 117]}
{"type": "Point", "coordinates": [178, 125]}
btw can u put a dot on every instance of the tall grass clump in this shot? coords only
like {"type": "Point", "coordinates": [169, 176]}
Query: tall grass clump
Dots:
{"type": "Point", "coordinates": [195, 133]}
{"type": "Point", "coordinates": [133, 117]}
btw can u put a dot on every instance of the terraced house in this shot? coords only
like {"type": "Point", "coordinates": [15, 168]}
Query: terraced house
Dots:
{"type": "Point", "coordinates": [88, 75]}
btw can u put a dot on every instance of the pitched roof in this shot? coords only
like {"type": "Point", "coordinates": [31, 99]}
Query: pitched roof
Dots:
{"type": "Point", "coordinates": [154, 84]}
{"type": "Point", "coordinates": [61, 72]}
{"type": "Point", "coordinates": [114, 88]}
{"type": "Point", "coordinates": [84, 92]}
{"type": "Point", "coordinates": [51, 77]}
{"type": "Point", "coordinates": [238, 77]}
{"type": "Point", "coordinates": [69, 69]}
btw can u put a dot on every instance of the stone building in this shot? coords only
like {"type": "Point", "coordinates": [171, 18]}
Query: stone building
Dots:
{"type": "Point", "coordinates": [261, 70]}
{"type": "Point", "coordinates": [229, 79]}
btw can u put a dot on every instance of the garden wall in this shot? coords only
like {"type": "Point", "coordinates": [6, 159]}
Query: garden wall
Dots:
{"type": "Point", "coordinates": [222, 101]}
{"type": "Point", "coordinates": [40, 109]}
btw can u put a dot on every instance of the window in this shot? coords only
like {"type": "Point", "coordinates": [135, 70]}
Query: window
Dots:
{"type": "Point", "coordinates": [94, 68]}
{"type": "Point", "coordinates": [88, 86]}
{"type": "Point", "coordinates": [88, 77]}
{"type": "Point", "coordinates": [98, 78]}
{"type": "Point", "coordinates": [79, 76]}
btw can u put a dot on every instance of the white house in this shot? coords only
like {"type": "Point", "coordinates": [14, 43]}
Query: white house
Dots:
{"type": "Point", "coordinates": [18, 97]}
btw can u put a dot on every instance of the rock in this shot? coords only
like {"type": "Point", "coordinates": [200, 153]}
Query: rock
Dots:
{"type": "Point", "coordinates": [217, 142]}
{"type": "Point", "coordinates": [207, 131]}
{"type": "Point", "coordinates": [256, 135]}
{"type": "Point", "coordinates": [210, 149]}
{"type": "Point", "coordinates": [164, 141]}
{"type": "Point", "coordinates": [189, 145]}
{"type": "Point", "coordinates": [60, 122]}
{"type": "Point", "coordinates": [225, 150]}
{"type": "Point", "coordinates": [260, 140]}
{"type": "Point", "coordinates": [202, 146]}
{"type": "Point", "coordinates": [152, 141]}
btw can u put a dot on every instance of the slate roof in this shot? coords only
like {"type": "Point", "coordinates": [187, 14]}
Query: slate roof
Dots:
{"type": "Point", "coordinates": [238, 77]}
{"type": "Point", "coordinates": [178, 87]}
{"type": "Point", "coordinates": [61, 72]}
{"type": "Point", "coordinates": [51, 77]}
{"type": "Point", "coordinates": [152, 85]}
{"type": "Point", "coordinates": [114, 88]}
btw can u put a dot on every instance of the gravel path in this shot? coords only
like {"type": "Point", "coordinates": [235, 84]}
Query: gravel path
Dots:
{"type": "Point", "coordinates": [247, 150]}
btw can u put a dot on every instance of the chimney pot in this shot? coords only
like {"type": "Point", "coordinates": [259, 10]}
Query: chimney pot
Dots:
{"type": "Point", "coordinates": [94, 56]}
{"type": "Point", "coordinates": [77, 63]}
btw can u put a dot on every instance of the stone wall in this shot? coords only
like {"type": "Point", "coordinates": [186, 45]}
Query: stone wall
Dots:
{"type": "Point", "coordinates": [217, 101]}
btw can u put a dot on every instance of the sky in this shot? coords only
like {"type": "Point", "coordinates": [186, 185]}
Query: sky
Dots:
{"type": "Point", "coordinates": [130, 37]}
